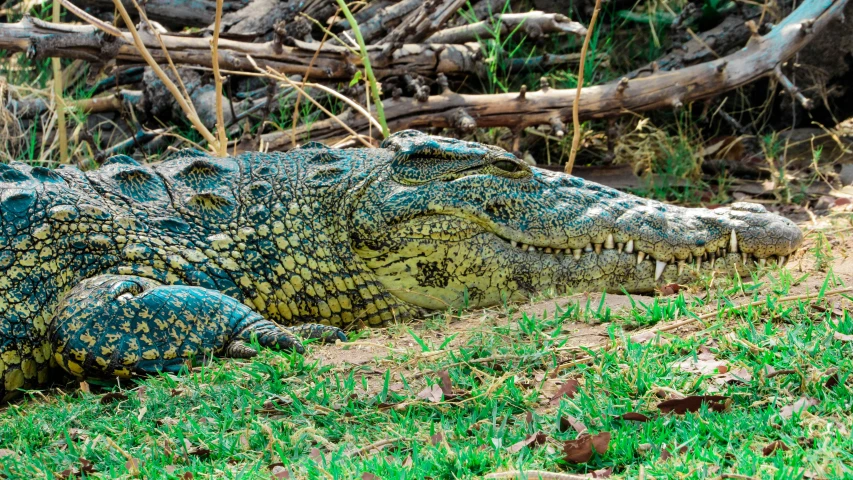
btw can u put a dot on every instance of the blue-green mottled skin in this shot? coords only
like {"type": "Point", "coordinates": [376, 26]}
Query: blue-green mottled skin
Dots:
{"type": "Point", "coordinates": [132, 269]}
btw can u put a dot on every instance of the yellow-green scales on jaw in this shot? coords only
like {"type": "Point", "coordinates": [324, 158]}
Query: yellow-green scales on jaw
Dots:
{"type": "Point", "coordinates": [132, 269]}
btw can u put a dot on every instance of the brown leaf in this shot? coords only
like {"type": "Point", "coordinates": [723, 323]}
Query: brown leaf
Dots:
{"type": "Point", "coordinates": [832, 381]}
{"type": "Point", "coordinates": [369, 476]}
{"type": "Point", "coordinates": [189, 476]}
{"type": "Point", "coordinates": [567, 421]}
{"type": "Point", "coordinates": [843, 337]}
{"type": "Point", "coordinates": [315, 454]}
{"type": "Point", "coordinates": [665, 454]}
{"type": "Point", "coordinates": [773, 446]}
{"type": "Point", "coordinates": [534, 440]}
{"type": "Point", "coordinates": [196, 450]}
{"type": "Point", "coordinates": [693, 403]}
{"type": "Point", "coordinates": [431, 393]}
{"type": "Point", "coordinates": [436, 439]}
{"type": "Point", "coordinates": [602, 473]}
{"type": "Point", "coordinates": [113, 397]}
{"type": "Point", "coordinates": [407, 463]}
{"type": "Point", "coordinates": [84, 386]}
{"type": "Point", "coordinates": [601, 442]}
{"type": "Point", "coordinates": [569, 388]}
{"type": "Point", "coordinates": [705, 363]}
{"type": "Point", "coordinates": [738, 375]}
{"type": "Point", "coordinates": [580, 449]}
{"type": "Point", "coordinates": [637, 417]}
{"type": "Point", "coordinates": [670, 289]}
{"type": "Point", "coordinates": [133, 465]}
{"type": "Point", "coordinates": [446, 386]}
{"type": "Point", "coordinates": [799, 406]}
{"type": "Point", "coordinates": [278, 471]}
{"type": "Point", "coordinates": [5, 452]}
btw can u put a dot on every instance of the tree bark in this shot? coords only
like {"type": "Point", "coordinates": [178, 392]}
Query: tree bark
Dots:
{"type": "Point", "coordinates": [175, 13]}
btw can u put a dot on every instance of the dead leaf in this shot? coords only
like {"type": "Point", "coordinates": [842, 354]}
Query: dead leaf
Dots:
{"type": "Point", "coordinates": [705, 363]}
{"type": "Point", "coordinates": [369, 476]}
{"type": "Point", "coordinates": [637, 417]}
{"type": "Point", "coordinates": [436, 439]}
{"type": "Point", "coordinates": [407, 463]}
{"type": "Point", "coordinates": [187, 476]}
{"type": "Point", "coordinates": [315, 454]}
{"type": "Point", "coordinates": [567, 421]}
{"type": "Point", "coordinates": [277, 470]}
{"type": "Point", "coordinates": [535, 440]}
{"type": "Point", "coordinates": [580, 449]}
{"type": "Point", "coordinates": [133, 465]}
{"type": "Point", "coordinates": [569, 388]}
{"type": "Point", "coordinates": [670, 289]}
{"type": "Point", "coordinates": [665, 454]}
{"type": "Point", "coordinates": [5, 452]}
{"type": "Point", "coordinates": [84, 386]}
{"type": "Point", "coordinates": [738, 375]}
{"type": "Point", "coordinates": [694, 402]}
{"type": "Point", "coordinates": [798, 407]}
{"type": "Point", "coordinates": [602, 473]}
{"type": "Point", "coordinates": [446, 386]}
{"type": "Point", "coordinates": [196, 451]}
{"type": "Point", "coordinates": [773, 446]}
{"type": "Point", "coordinates": [832, 381]}
{"type": "Point", "coordinates": [843, 337]}
{"type": "Point", "coordinates": [431, 393]}
{"type": "Point", "coordinates": [113, 397]}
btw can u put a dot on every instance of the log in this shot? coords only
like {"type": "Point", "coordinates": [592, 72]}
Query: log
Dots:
{"type": "Point", "coordinates": [534, 24]}
{"type": "Point", "coordinates": [758, 59]}
{"type": "Point", "coordinates": [176, 13]}
{"type": "Point", "coordinates": [42, 39]}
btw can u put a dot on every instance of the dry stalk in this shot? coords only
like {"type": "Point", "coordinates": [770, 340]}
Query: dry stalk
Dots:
{"type": "Point", "coordinates": [184, 103]}
{"type": "Point", "coordinates": [576, 122]}
{"type": "Point", "coordinates": [56, 63]}
{"type": "Point", "coordinates": [222, 151]}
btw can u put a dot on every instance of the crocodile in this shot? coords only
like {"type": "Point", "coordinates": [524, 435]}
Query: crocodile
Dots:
{"type": "Point", "coordinates": [131, 269]}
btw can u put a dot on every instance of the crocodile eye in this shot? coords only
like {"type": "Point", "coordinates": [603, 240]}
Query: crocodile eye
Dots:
{"type": "Point", "coordinates": [507, 166]}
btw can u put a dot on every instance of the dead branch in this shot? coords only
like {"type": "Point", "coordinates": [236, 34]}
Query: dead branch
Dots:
{"type": "Point", "coordinates": [42, 39]}
{"type": "Point", "coordinates": [427, 19]}
{"type": "Point", "coordinates": [383, 20]}
{"type": "Point", "coordinates": [178, 13]}
{"type": "Point", "coordinates": [663, 90]}
{"type": "Point", "coordinates": [534, 24]}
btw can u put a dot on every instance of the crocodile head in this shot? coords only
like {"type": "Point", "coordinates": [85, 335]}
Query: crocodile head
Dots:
{"type": "Point", "coordinates": [453, 223]}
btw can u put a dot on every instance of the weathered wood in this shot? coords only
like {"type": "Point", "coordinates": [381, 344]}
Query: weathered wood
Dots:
{"type": "Point", "coordinates": [534, 24]}
{"type": "Point", "coordinates": [42, 39]}
{"type": "Point", "coordinates": [429, 18]}
{"type": "Point", "coordinates": [663, 90]}
{"type": "Point", "coordinates": [175, 13]}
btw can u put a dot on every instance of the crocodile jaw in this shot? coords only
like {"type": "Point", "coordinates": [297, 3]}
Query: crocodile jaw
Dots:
{"type": "Point", "coordinates": [480, 240]}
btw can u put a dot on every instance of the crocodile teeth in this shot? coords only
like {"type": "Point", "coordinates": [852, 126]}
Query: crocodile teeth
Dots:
{"type": "Point", "coordinates": [640, 257]}
{"type": "Point", "coordinates": [588, 247]}
{"type": "Point", "coordinates": [531, 248]}
{"type": "Point", "coordinates": [576, 253]}
{"type": "Point", "coordinates": [733, 242]}
{"type": "Point", "coordinates": [548, 250]}
{"type": "Point", "coordinates": [762, 262]}
{"type": "Point", "coordinates": [597, 248]}
{"type": "Point", "coordinates": [713, 261]}
{"type": "Point", "coordinates": [744, 256]}
{"type": "Point", "coordinates": [782, 260]}
{"type": "Point", "coordinates": [698, 263]}
{"type": "Point", "coordinates": [629, 247]}
{"type": "Point", "coordinates": [681, 267]}
{"type": "Point", "coordinates": [659, 266]}
{"type": "Point", "coordinates": [514, 243]}
{"type": "Point", "coordinates": [523, 246]}
{"type": "Point", "coordinates": [608, 243]}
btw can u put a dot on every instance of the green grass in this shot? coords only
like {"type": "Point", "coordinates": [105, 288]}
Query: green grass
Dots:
{"type": "Point", "coordinates": [239, 419]}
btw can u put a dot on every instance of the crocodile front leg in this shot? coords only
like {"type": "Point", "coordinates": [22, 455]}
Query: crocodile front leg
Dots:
{"type": "Point", "coordinates": [114, 325]}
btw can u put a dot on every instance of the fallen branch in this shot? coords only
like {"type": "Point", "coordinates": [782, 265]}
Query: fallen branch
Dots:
{"type": "Point", "coordinates": [42, 39]}
{"type": "Point", "coordinates": [534, 24]}
{"type": "Point", "coordinates": [663, 90]}
{"type": "Point", "coordinates": [179, 13]}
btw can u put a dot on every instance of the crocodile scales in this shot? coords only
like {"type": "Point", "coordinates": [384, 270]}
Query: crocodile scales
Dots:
{"type": "Point", "coordinates": [132, 269]}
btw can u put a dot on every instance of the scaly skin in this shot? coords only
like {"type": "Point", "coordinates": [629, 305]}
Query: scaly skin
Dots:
{"type": "Point", "coordinates": [132, 269]}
